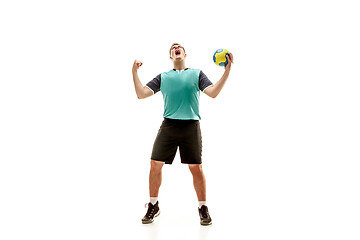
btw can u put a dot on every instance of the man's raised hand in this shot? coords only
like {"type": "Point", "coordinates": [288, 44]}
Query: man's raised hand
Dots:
{"type": "Point", "coordinates": [230, 59]}
{"type": "Point", "coordinates": [137, 65]}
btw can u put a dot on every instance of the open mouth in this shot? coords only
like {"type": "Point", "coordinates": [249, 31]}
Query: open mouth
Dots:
{"type": "Point", "coordinates": [177, 52]}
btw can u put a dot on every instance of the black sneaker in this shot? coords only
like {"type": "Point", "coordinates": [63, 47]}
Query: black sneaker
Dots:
{"type": "Point", "coordinates": [152, 212]}
{"type": "Point", "coordinates": [205, 218]}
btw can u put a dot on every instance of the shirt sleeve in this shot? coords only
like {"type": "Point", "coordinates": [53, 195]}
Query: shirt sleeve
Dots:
{"type": "Point", "coordinates": [154, 84]}
{"type": "Point", "coordinates": [204, 82]}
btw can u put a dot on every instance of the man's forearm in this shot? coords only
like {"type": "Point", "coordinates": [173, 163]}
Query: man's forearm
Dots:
{"type": "Point", "coordinates": [218, 86]}
{"type": "Point", "coordinates": [139, 88]}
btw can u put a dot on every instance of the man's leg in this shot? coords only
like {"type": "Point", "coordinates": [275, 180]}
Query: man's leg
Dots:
{"type": "Point", "coordinates": [155, 177]}
{"type": "Point", "coordinates": [154, 185]}
{"type": "Point", "coordinates": [200, 188]}
{"type": "Point", "coordinates": [199, 181]}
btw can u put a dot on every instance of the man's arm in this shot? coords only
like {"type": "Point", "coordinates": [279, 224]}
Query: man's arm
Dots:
{"type": "Point", "coordinates": [215, 89]}
{"type": "Point", "coordinates": [141, 91]}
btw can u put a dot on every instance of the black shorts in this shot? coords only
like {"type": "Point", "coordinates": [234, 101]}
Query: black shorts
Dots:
{"type": "Point", "coordinates": [185, 134]}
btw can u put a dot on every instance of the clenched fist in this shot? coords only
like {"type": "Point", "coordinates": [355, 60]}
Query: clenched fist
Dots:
{"type": "Point", "coordinates": [137, 65]}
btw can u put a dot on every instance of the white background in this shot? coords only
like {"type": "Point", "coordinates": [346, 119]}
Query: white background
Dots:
{"type": "Point", "coordinates": [280, 143]}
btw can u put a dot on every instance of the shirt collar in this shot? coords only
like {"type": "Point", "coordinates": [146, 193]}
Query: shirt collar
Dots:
{"type": "Point", "coordinates": [179, 70]}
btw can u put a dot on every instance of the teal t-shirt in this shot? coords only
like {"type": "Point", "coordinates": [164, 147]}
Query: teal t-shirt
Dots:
{"type": "Point", "coordinates": [181, 92]}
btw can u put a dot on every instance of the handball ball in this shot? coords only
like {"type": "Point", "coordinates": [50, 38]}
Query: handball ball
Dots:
{"type": "Point", "coordinates": [220, 57]}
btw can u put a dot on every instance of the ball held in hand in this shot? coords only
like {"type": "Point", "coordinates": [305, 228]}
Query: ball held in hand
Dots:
{"type": "Point", "coordinates": [220, 57]}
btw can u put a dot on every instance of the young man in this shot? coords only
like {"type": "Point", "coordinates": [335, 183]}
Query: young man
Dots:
{"type": "Point", "coordinates": [181, 91]}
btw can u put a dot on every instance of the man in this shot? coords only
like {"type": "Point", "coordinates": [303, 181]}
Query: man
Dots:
{"type": "Point", "coordinates": [180, 129]}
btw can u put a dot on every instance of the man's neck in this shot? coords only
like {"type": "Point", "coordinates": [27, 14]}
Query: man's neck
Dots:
{"type": "Point", "coordinates": [179, 65]}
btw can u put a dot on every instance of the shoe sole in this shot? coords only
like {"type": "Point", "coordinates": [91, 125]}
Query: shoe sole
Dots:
{"type": "Point", "coordinates": [205, 223]}
{"type": "Point", "coordinates": [151, 220]}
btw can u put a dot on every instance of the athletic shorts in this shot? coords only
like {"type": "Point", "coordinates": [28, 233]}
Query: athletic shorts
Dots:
{"type": "Point", "coordinates": [174, 134]}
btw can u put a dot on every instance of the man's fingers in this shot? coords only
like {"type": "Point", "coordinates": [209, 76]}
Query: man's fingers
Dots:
{"type": "Point", "coordinates": [138, 63]}
{"type": "Point", "coordinates": [230, 57]}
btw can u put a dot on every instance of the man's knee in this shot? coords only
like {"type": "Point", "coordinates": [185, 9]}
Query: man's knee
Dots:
{"type": "Point", "coordinates": [156, 165]}
{"type": "Point", "coordinates": [195, 168]}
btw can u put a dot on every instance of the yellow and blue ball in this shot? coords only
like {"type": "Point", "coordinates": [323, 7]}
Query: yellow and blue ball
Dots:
{"type": "Point", "coordinates": [220, 57]}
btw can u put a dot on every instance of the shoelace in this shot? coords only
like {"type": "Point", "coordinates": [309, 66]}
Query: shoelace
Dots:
{"type": "Point", "coordinates": [204, 213]}
{"type": "Point", "coordinates": [150, 213]}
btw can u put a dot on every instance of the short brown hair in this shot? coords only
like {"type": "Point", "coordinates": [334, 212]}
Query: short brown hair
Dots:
{"type": "Point", "coordinates": [174, 44]}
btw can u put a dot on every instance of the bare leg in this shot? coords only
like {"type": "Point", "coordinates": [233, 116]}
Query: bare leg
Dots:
{"type": "Point", "coordinates": [199, 181]}
{"type": "Point", "coordinates": [155, 177]}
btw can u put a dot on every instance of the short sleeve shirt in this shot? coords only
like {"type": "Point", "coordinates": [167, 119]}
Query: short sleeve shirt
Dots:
{"type": "Point", "coordinates": [181, 92]}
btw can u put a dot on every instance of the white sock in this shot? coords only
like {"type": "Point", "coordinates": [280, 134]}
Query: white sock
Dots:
{"type": "Point", "coordinates": [153, 200]}
{"type": "Point", "coordinates": [202, 203]}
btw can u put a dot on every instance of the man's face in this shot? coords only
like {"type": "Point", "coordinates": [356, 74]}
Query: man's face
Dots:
{"type": "Point", "coordinates": [177, 52]}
